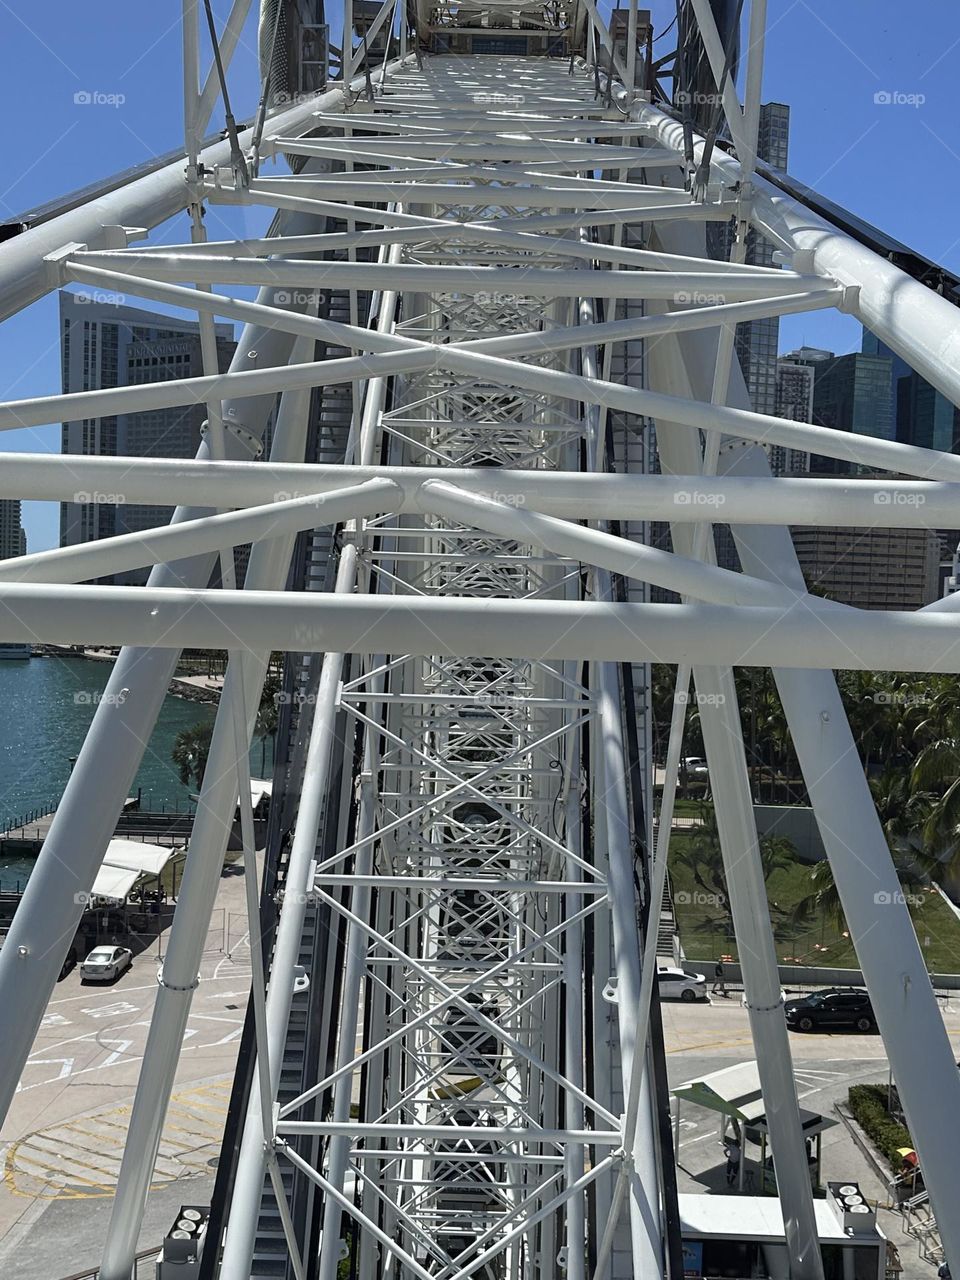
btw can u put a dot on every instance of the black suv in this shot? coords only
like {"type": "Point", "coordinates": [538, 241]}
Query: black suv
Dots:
{"type": "Point", "coordinates": [834, 1009]}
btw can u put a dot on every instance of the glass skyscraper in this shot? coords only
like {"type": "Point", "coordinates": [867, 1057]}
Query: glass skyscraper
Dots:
{"type": "Point", "coordinates": [108, 344]}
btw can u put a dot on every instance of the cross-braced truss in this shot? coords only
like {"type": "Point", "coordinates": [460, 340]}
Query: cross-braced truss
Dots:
{"type": "Point", "coordinates": [488, 279]}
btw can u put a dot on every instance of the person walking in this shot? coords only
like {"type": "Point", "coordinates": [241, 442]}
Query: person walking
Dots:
{"type": "Point", "coordinates": [732, 1150]}
{"type": "Point", "coordinates": [719, 986]}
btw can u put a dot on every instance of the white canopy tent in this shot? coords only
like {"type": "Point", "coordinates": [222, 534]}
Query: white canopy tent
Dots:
{"type": "Point", "coordinates": [114, 883]}
{"type": "Point", "coordinates": [125, 862]}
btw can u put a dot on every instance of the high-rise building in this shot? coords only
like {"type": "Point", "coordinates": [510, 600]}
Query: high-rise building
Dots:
{"type": "Point", "coordinates": [13, 540]}
{"type": "Point", "coordinates": [107, 344]}
{"type": "Point", "coordinates": [758, 341]}
{"type": "Point", "coordinates": [922, 416]}
{"type": "Point", "coordinates": [871, 568]}
{"type": "Point", "coordinates": [867, 568]}
{"type": "Point", "coordinates": [794, 401]}
{"type": "Point", "coordinates": [851, 393]}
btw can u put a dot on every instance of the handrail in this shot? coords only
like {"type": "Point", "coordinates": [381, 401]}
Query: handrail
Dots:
{"type": "Point", "coordinates": [93, 1274]}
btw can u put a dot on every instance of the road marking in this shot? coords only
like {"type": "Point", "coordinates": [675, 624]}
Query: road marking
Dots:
{"type": "Point", "coordinates": [87, 993]}
{"type": "Point", "coordinates": [120, 1049]}
{"type": "Point", "coordinates": [115, 1010]}
{"type": "Point", "coordinates": [80, 1159]}
{"type": "Point", "coordinates": [66, 1069]}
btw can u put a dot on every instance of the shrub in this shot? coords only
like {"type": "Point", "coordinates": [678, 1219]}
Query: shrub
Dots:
{"type": "Point", "coordinates": [868, 1106]}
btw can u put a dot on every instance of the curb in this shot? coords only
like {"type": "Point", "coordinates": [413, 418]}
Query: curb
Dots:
{"type": "Point", "coordinates": [881, 1170]}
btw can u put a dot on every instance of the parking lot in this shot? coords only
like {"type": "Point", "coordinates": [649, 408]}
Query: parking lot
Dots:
{"type": "Point", "coordinates": [65, 1132]}
{"type": "Point", "coordinates": [702, 1037]}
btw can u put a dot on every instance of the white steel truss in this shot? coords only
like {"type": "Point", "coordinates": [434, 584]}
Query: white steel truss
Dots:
{"type": "Point", "coordinates": [461, 256]}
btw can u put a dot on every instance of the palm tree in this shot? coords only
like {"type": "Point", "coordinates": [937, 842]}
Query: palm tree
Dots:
{"type": "Point", "coordinates": [823, 900]}
{"type": "Point", "coordinates": [901, 811]}
{"type": "Point", "coordinates": [190, 750]}
{"type": "Point", "coordinates": [267, 713]}
{"type": "Point", "coordinates": [936, 777]}
{"type": "Point", "coordinates": [701, 856]}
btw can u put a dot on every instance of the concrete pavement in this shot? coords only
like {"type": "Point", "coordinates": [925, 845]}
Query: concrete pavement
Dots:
{"type": "Point", "coordinates": [64, 1136]}
{"type": "Point", "coordinates": [701, 1038]}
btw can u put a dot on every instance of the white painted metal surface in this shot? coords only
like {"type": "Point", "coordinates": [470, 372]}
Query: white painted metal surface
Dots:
{"type": "Point", "coordinates": [481, 1100]}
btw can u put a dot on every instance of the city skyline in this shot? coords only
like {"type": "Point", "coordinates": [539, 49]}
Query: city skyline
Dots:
{"type": "Point", "coordinates": [105, 343]}
{"type": "Point", "coordinates": [859, 56]}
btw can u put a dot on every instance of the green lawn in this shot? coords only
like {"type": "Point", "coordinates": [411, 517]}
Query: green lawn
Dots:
{"type": "Point", "coordinates": [704, 935]}
{"type": "Point", "coordinates": [691, 808]}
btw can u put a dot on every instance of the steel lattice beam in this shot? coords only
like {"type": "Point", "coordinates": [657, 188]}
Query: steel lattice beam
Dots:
{"type": "Point", "coordinates": [492, 1013]}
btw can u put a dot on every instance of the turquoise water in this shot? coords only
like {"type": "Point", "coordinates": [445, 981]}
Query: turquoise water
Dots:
{"type": "Point", "coordinates": [47, 704]}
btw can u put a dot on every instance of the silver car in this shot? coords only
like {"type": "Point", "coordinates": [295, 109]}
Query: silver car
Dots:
{"type": "Point", "coordinates": [104, 964]}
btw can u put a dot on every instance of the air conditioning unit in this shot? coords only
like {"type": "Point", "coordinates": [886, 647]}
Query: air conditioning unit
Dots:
{"type": "Point", "coordinates": [183, 1244]}
{"type": "Point", "coordinates": [850, 1205]}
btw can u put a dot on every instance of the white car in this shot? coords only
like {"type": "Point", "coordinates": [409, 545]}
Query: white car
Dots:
{"type": "Point", "coordinates": [743, 998]}
{"type": "Point", "coordinates": [104, 964]}
{"type": "Point", "coordinates": [696, 766]}
{"type": "Point", "coordinates": [674, 984]}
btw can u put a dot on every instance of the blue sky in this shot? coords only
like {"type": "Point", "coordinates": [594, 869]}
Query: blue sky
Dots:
{"type": "Point", "coordinates": [896, 165]}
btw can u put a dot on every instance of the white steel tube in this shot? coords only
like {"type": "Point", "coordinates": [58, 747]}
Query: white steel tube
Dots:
{"type": "Point", "coordinates": [742, 635]}
{"type": "Point", "coordinates": [894, 968]}
{"type": "Point", "coordinates": [514, 344]}
{"type": "Point", "coordinates": [50, 909]}
{"type": "Point", "coordinates": [206, 533]}
{"type": "Point", "coordinates": [683, 574]}
{"type": "Point", "coordinates": [540, 282]}
{"type": "Point", "coordinates": [885, 454]}
{"type": "Point", "coordinates": [241, 1230]}
{"type": "Point", "coordinates": [760, 500]}
{"type": "Point", "coordinates": [145, 202]}
{"type": "Point", "coordinates": [719, 715]}
{"type": "Point", "coordinates": [867, 881]}
{"type": "Point", "coordinates": [920, 326]}
{"type": "Point", "coordinates": [753, 87]}
{"type": "Point", "coordinates": [242, 1224]}
{"type": "Point", "coordinates": [242, 686]}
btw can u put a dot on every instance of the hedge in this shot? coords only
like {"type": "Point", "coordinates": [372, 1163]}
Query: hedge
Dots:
{"type": "Point", "coordinates": [868, 1106]}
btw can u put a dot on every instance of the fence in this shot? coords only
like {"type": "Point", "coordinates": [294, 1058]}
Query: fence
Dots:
{"type": "Point", "coordinates": [144, 1267]}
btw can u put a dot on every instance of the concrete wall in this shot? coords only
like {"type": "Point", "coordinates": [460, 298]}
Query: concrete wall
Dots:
{"type": "Point", "coordinates": [795, 823]}
{"type": "Point", "coordinates": [794, 976]}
